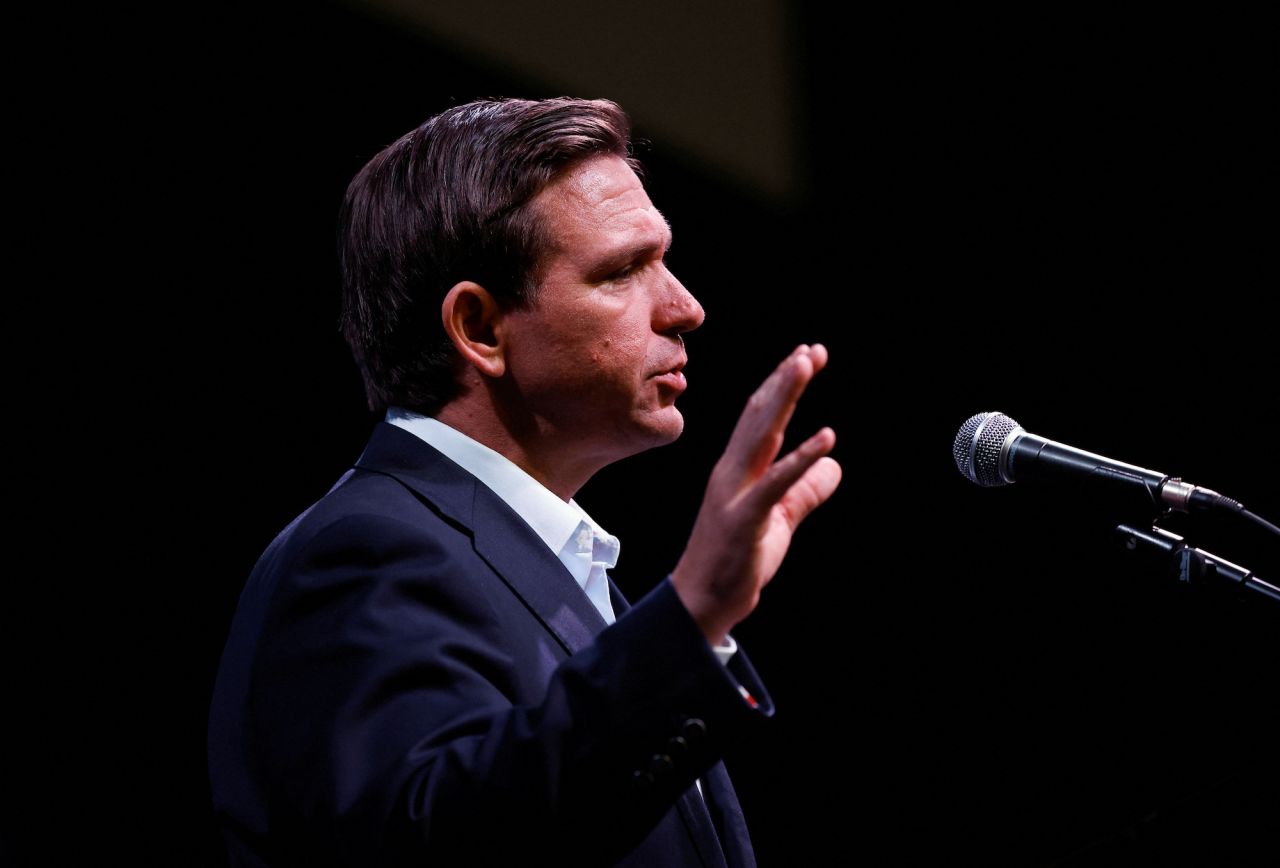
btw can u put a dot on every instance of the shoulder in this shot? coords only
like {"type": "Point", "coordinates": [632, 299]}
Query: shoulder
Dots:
{"type": "Point", "coordinates": [373, 509]}
{"type": "Point", "coordinates": [370, 538]}
{"type": "Point", "coordinates": [369, 506]}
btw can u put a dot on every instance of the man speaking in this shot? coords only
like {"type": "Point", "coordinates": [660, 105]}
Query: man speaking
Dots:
{"type": "Point", "coordinates": [431, 666]}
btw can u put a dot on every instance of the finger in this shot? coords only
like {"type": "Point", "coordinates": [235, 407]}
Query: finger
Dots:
{"type": "Point", "coordinates": [763, 429]}
{"type": "Point", "coordinates": [757, 437]}
{"type": "Point", "coordinates": [763, 425]}
{"type": "Point", "coordinates": [811, 490]}
{"type": "Point", "coordinates": [818, 355]}
{"type": "Point", "coordinates": [782, 476]}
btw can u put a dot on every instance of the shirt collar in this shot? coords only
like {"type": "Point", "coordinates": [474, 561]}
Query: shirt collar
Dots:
{"type": "Point", "coordinates": [556, 522]}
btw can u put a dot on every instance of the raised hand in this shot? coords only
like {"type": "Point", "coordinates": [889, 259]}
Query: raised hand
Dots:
{"type": "Point", "coordinates": [754, 503]}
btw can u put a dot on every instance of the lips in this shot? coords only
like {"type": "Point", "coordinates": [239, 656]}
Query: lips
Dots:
{"type": "Point", "coordinates": [673, 377]}
{"type": "Point", "coordinates": [672, 369]}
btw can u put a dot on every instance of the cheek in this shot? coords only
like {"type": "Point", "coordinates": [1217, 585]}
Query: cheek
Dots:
{"type": "Point", "coordinates": [622, 345]}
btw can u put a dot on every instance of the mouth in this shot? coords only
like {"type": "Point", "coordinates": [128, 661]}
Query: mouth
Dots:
{"type": "Point", "coordinates": [673, 377]}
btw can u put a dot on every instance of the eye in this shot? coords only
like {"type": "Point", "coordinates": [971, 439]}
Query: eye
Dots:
{"type": "Point", "coordinates": [626, 272]}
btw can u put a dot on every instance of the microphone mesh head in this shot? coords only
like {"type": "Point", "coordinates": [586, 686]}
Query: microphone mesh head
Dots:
{"type": "Point", "coordinates": [978, 444]}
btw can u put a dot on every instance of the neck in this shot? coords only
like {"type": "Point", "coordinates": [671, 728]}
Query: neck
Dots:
{"type": "Point", "coordinates": [528, 443]}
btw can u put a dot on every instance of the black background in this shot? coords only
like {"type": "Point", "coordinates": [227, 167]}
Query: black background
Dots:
{"type": "Point", "coordinates": [1067, 220]}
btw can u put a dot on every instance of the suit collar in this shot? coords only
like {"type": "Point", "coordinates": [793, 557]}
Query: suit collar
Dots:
{"type": "Point", "coordinates": [503, 539]}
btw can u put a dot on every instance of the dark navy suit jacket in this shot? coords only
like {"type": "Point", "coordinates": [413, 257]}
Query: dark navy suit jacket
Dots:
{"type": "Point", "coordinates": [413, 677]}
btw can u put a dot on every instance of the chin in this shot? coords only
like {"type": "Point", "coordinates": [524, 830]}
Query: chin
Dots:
{"type": "Point", "coordinates": [652, 431]}
{"type": "Point", "coordinates": [670, 428]}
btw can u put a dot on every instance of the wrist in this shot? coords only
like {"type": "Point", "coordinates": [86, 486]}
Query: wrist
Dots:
{"type": "Point", "coordinates": [703, 610]}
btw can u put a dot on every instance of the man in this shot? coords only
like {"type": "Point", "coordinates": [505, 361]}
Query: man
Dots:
{"type": "Point", "coordinates": [430, 666]}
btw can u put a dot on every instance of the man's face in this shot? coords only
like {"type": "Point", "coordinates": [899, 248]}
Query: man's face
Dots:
{"type": "Point", "coordinates": [596, 358]}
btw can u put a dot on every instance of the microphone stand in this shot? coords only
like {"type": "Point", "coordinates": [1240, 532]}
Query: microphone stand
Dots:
{"type": "Point", "coordinates": [1192, 564]}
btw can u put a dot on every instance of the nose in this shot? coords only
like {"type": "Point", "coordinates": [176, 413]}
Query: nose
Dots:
{"type": "Point", "coordinates": [676, 310]}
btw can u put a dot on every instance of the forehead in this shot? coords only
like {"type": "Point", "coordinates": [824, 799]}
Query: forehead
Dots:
{"type": "Point", "coordinates": [599, 204]}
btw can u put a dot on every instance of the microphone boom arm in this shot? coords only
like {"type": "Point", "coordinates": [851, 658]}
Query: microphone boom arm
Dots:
{"type": "Point", "coordinates": [1194, 564]}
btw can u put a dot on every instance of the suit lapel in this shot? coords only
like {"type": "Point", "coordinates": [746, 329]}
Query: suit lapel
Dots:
{"type": "Point", "coordinates": [524, 562]}
{"type": "Point", "coordinates": [503, 539]}
{"type": "Point", "coordinates": [619, 602]}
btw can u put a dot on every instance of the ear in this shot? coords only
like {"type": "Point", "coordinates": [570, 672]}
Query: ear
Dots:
{"type": "Point", "coordinates": [471, 317]}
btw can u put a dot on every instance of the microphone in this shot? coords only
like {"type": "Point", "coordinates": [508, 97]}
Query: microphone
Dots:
{"type": "Point", "coordinates": [992, 449]}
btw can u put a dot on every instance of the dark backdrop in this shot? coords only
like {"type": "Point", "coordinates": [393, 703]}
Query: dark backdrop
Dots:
{"type": "Point", "coordinates": [1070, 221]}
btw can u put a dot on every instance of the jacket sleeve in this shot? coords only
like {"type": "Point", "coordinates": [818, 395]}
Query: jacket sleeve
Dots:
{"type": "Point", "coordinates": [386, 732]}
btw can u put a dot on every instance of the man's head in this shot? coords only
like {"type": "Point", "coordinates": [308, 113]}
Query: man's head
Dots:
{"type": "Point", "coordinates": [452, 201]}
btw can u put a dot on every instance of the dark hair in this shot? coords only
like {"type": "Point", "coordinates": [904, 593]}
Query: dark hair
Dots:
{"type": "Point", "coordinates": [450, 201]}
